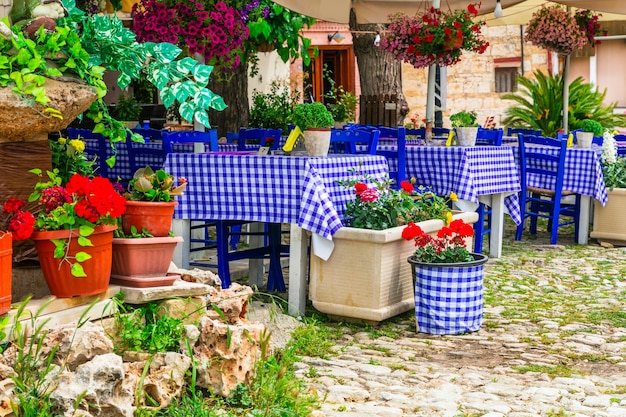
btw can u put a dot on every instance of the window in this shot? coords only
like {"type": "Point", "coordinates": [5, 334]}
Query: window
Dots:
{"type": "Point", "coordinates": [505, 79]}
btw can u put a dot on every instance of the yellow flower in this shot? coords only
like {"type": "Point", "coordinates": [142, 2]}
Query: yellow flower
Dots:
{"type": "Point", "coordinates": [77, 144]}
{"type": "Point", "coordinates": [453, 196]}
{"type": "Point", "coordinates": [62, 141]}
{"type": "Point", "coordinates": [448, 217]}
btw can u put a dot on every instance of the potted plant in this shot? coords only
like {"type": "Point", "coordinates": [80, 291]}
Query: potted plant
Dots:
{"type": "Point", "coordinates": [555, 29]}
{"type": "Point", "coordinates": [315, 121]}
{"type": "Point", "coordinates": [128, 110]}
{"type": "Point", "coordinates": [434, 36]}
{"type": "Point", "coordinates": [366, 277]}
{"type": "Point", "coordinates": [590, 128]}
{"type": "Point", "coordinates": [72, 229]}
{"type": "Point", "coordinates": [608, 226]}
{"type": "Point", "coordinates": [142, 260]}
{"type": "Point", "coordinates": [448, 279]}
{"type": "Point", "coordinates": [465, 127]}
{"type": "Point", "coordinates": [149, 201]}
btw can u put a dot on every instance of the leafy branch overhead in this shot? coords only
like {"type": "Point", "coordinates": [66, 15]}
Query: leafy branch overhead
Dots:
{"type": "Point", "coordinates": [84, 46]}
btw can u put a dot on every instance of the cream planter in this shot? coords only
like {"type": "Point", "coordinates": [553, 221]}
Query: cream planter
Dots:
{"type": "Point", "coordinates": [367, 277]}
{"type": "Point", "coordinates": [317, 141]}
{"type": "Point", "coordinates": [584, 139]}
{"type": "Point", "coordinates": [609, 222]}
{"type": "Point", "coordinates": [466, 136]}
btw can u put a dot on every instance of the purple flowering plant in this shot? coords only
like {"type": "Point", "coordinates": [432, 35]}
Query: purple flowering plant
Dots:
{"type": "Point", "coordinates": [556, 29]}
{"type": "Point", "coordinates": [214, 29]}
{"type": "Point", "coordinates": [434, 36]}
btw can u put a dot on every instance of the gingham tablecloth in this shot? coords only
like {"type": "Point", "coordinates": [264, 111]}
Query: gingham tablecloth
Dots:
{"type": "Point", "coordinates": [470, 172]}
{"type": "Point", "coordinates": [583, 172]}
{"type": "Point", "coordinates": [278, 189]}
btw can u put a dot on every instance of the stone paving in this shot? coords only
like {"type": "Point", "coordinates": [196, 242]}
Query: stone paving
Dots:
{"type": "Point", "coordinates": [552, 343]}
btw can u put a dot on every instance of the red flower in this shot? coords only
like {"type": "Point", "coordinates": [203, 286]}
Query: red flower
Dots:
{"type": "Point", "coordinates": [472, 9]}
{"type": "Point", "coordinates": [22, 225]}
{"type": "Point", "coordinates": [360, 187]}
{"type": "Point", "coordinates": [407, 186]}
{"type": "Point", "coordinates": [13, 205]}
{"type": "Point", "coordinates": [411, 231]}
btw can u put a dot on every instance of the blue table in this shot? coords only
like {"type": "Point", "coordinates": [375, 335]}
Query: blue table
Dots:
{"type": "Point", "coordinates": [298, 190]}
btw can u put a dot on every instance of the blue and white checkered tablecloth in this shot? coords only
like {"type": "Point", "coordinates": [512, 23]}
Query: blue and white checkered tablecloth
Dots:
{"type": "Point", "coordinates": [278, 189]}
{"type": "Point", "coordinates": [470, 172]}
{"type": "Point", "coordinates": [583, 172]}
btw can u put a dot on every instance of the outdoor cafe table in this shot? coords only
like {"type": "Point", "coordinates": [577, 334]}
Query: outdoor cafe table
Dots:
{"type": "Point", "coordinates": [583, 175]}
{"type": "Point", "coordinates": [486, 174]}
{"type": "Point", "coordinates": [298, 190]}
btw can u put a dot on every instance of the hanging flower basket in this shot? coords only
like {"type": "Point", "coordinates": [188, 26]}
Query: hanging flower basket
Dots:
{"type": "Point", "coordinates": [434, 36]}
{"type": "Point", "coordinates": [555, 29]}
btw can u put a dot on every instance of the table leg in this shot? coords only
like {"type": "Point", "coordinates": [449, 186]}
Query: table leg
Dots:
{"type": "Point", "coordinates": [497, 225]}
{"type": "Point", "coordinates": [583, 222]}
{"type": "Point", "coordinates": [181, 227]}
{"type": "Point", "coordinates": [255, 266]}
{"type": "Point", "coordinates": [297, 270]}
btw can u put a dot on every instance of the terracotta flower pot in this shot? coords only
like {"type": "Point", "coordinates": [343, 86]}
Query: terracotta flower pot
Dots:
{"type": "Point", "coordinates": [6, 271]}
{"type": "Point", "coordinates": [143, 262]}
{"type": "Point", "coordinates": [155, 217]}
{"type": "Point", "coordinates": [58, 274]}
{"type": "Point", "coordinates": [451, 42]}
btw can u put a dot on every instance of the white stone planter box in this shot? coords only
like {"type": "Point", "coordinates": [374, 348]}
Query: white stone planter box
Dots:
{"type": "Point", "coordinates": [367, 277]}
{"type": "Point", "coordinates": [609, 222]}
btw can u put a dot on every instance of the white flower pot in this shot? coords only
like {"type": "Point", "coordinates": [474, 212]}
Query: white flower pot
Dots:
{"type": "Point", "coordinates": [466, 136]}
{"type": "Point", "coordinates": [584, 139]}
{"type": "Point", "coordinates": [367, 277]}
{"type": "Point", "coordinates": [317, 141]}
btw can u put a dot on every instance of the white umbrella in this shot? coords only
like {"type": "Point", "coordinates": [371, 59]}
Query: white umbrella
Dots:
{"type": "Point", "coordinates": [376, 11]}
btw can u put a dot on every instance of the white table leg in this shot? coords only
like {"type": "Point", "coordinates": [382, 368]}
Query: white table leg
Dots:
{"type": "Point", "coordinates": [497, 225]}
{"type": "Point", "coordinates": [297, 271]}
{"type": "Point", "coordinates": [583, 223]}
{"type": "Point", "coordinates": [181, 227]}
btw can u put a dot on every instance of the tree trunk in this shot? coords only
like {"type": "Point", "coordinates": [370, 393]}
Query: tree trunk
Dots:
{"type": "Point", "coordinates": [235, 94]}
{"type": "Point", "coordinates": [379, 72]}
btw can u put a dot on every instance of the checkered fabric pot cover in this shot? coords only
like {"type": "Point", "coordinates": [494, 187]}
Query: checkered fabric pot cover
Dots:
{"type": "Point", "coordinates": [449, 297]}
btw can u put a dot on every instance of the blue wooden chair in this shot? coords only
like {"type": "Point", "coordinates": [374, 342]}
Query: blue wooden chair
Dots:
{"type": "Point", "coordinates": [258, 136]}
{"type": "Point", "coordinates": [514, 131]}
{"type": "Point", "coordinates": [621, 150]}
{"type": "Point", "coordinates": [149, 134]}
{"type": "Point", "coordinates": [397, 154]}
{"type": "Point", "coordinates": [545, 202]}
{"type": "Point", "coordinates": [348, 141]}
{"type": "Point", "coordinates": [492, 137]}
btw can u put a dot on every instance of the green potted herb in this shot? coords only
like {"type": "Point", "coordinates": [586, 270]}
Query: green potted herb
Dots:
{"type": "Point", "coordinates": [149, 201]}
{"type": "Point", "coordinates": [590, 128]}
{"type": "Point", "coordinates": [128, 110]}
{"type": "Point", "coordinates": [465, 127]}
{"type": "Point", "coordinates": [315, 121]}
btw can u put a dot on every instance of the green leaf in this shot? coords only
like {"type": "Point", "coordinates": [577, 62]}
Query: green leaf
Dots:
{"type": "Point", "coordinates": [187, 111]}
{"type": "Point", "coordinates": [202, 73]}
{"type": "Point", "coordinates": [83, 241]}
{"type": "Point", "coordinates": [77, 270]}
{"type": "Point", "coordinates": [82, 256]}
{"type": "Point", "coordinates": [203, 117]}
{"type": "Point", "coordinates": [85, 230]}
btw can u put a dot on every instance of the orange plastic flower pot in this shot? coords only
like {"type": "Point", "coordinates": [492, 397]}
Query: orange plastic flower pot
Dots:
{"type": "Point", "coordinates": [6, 271]}
{"type": "Point", "coordinates": [58, 274]}
{"type": "Point", "coordinates": [155, 217]}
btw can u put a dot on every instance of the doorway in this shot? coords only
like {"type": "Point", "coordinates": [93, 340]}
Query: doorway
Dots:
{"type": "Point", "coordinates": [339, 63]}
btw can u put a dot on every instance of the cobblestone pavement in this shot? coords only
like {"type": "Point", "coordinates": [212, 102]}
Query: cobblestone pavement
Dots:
{"type": "Point", "coordinates": [552, 343]}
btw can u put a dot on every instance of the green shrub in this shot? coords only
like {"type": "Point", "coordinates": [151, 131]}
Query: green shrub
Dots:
{"type": "Point", "coordinates": [312, 115]}
{"type": "Point", "coordinates": [273, 110]}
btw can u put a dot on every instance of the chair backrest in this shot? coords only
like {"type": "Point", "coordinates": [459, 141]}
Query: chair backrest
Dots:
{"type": "Point", "coordinates": [491, 137]}
{"type": "Point", "coordinates": [148, 134]}
{"type": "Point", "coordinates": [416, 133]}
{"type": "Point", "coordinates": [511, 131]}
{"type": "Point", "coordinates": [396, 157]}
{"type": "Point", "coordinates": [190, 136]}
{"type": "Point", "coordinates": [95, 145]}
{"type": "Point", "coordinates": [260, 136]}
{"type": "Point", "coordinates": [145, 154]}
{"type": "Point", "coordinates": [621, 144]}
{"type": "Point", "coordinates": [550, 167]}
{"type": "Point", "coordinates": [346, 141]}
